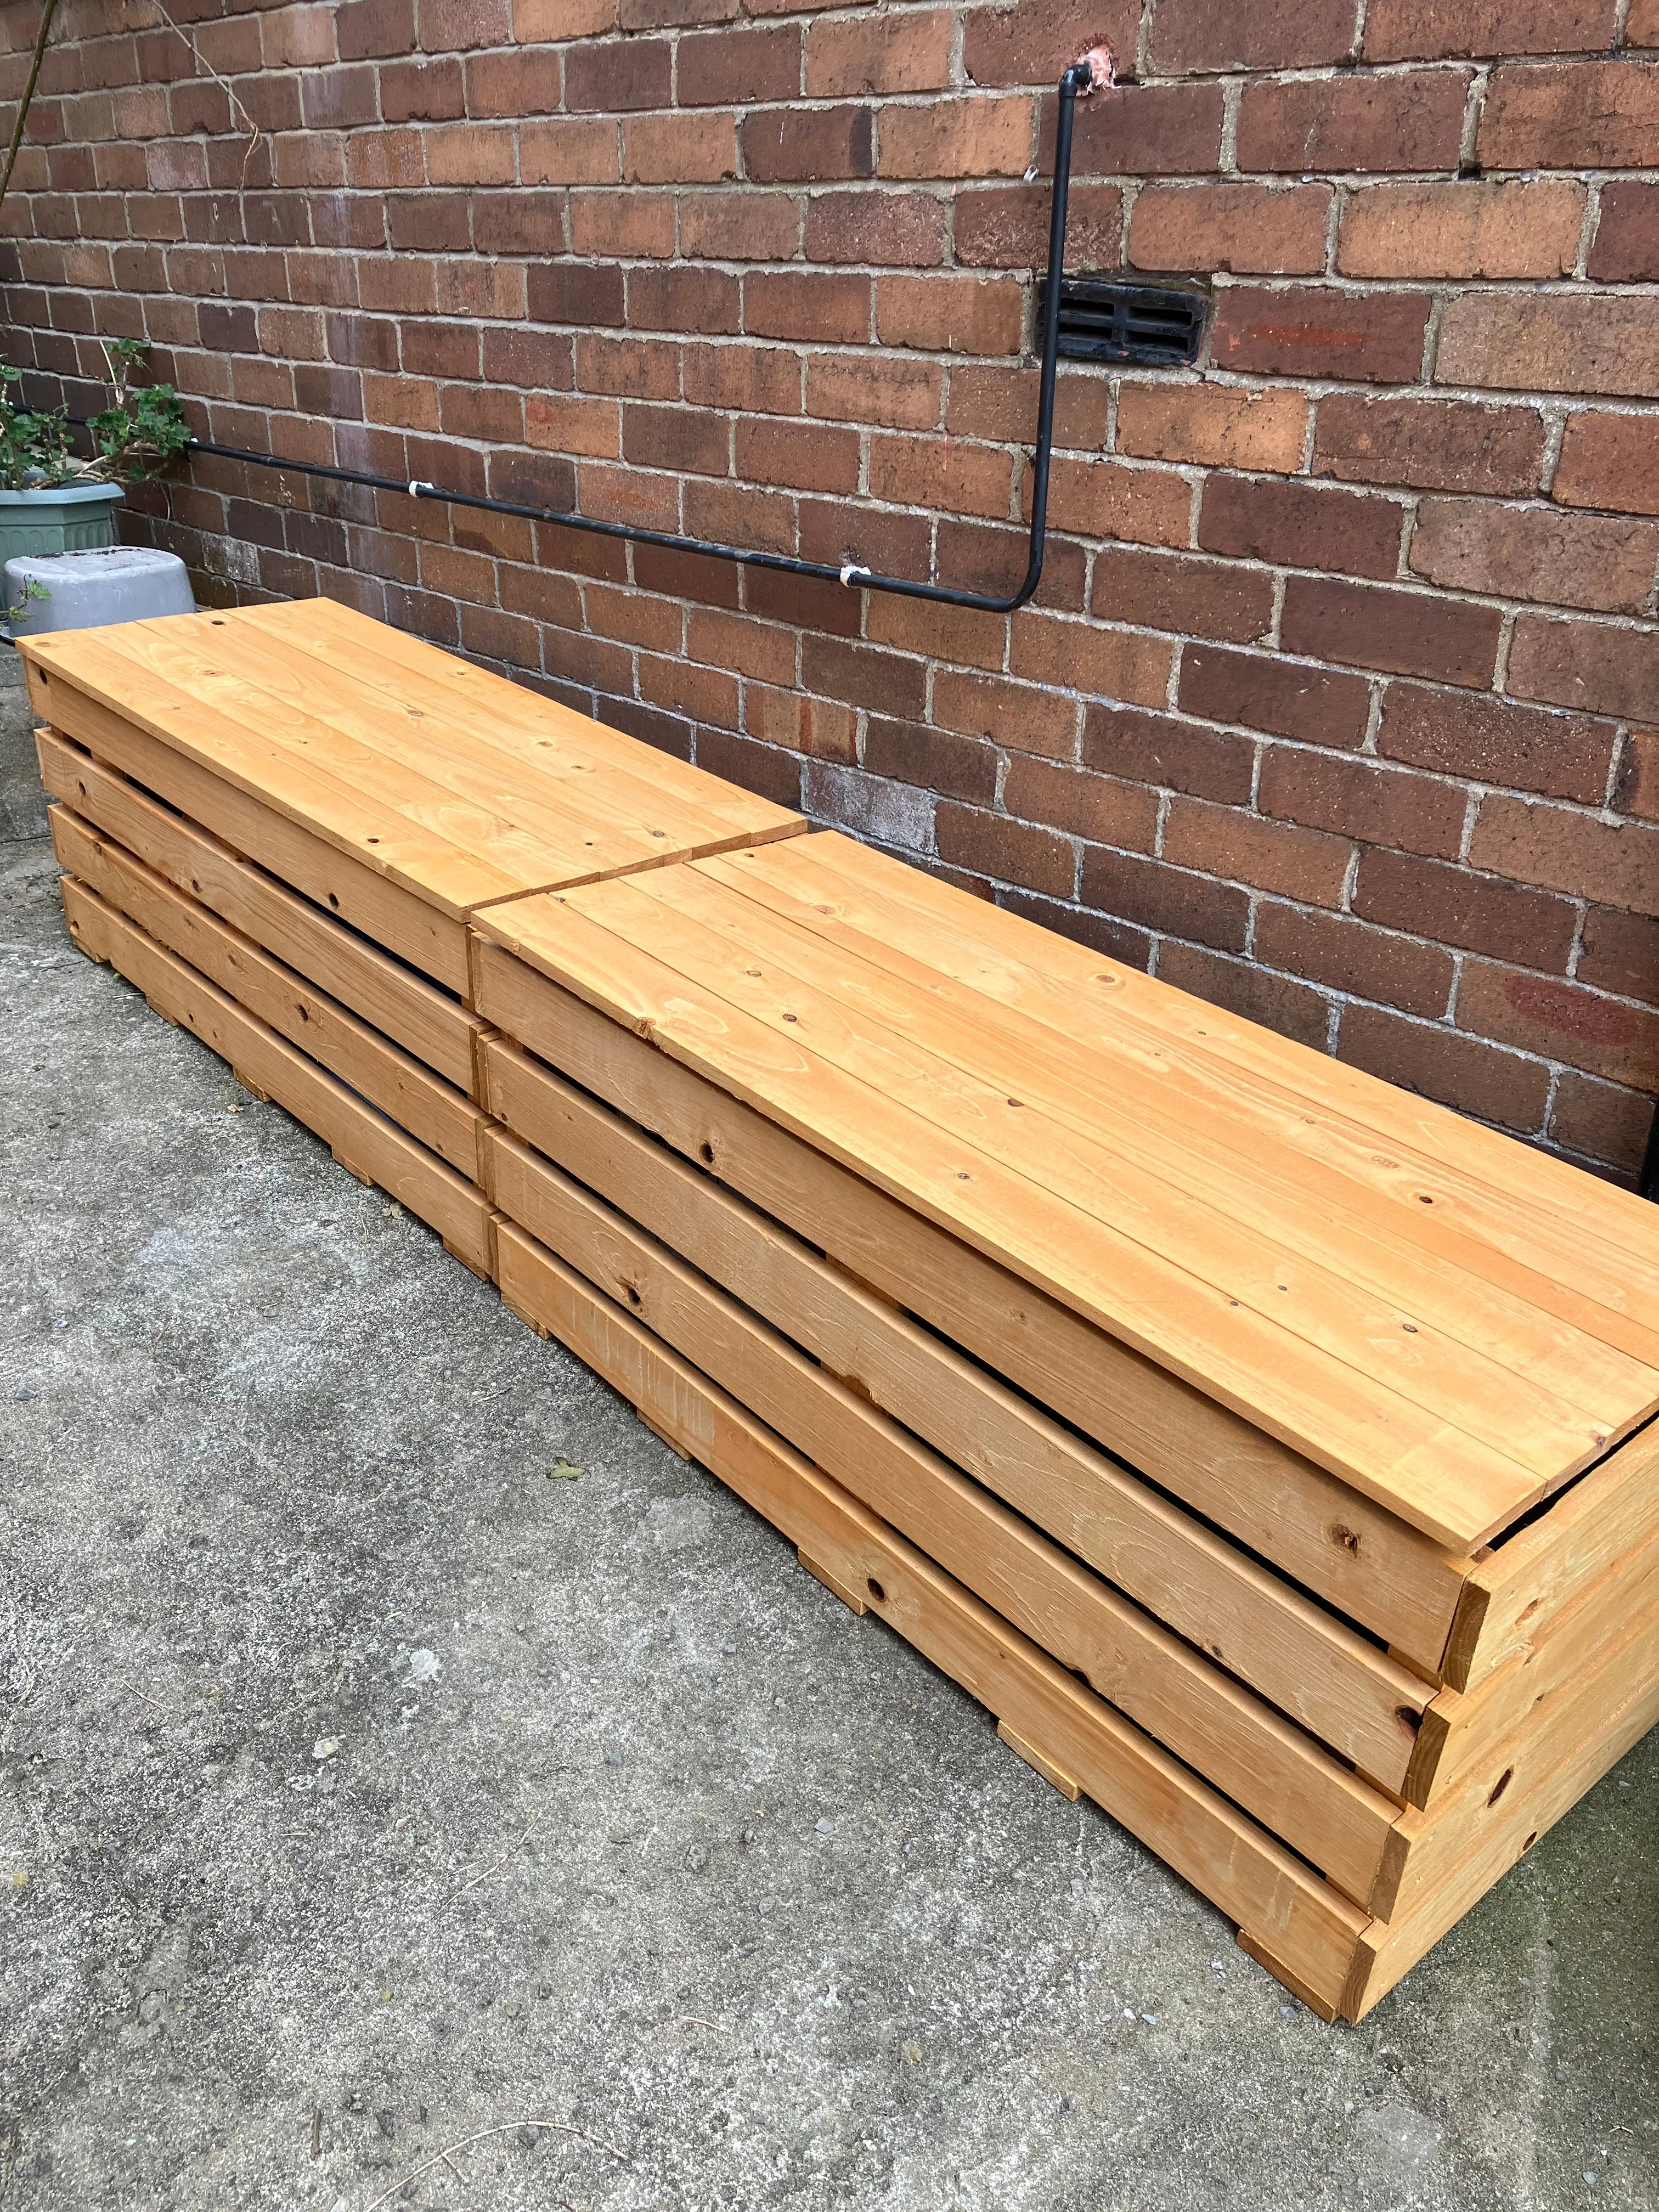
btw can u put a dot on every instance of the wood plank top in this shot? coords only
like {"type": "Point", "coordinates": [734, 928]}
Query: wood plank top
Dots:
{"type": "Point", "coordinates": [1449, 1321]}
{"type": "Point", "coordinates": [457, 785]}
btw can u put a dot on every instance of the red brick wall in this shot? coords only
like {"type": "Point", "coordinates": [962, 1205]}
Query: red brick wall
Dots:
{"type": "Point", "coordinates": [1339, 701]}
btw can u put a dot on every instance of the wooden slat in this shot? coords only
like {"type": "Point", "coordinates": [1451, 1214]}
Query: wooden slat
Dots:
{"type": "Point", "coordinates": [432, 942]}
{"type": "Point", "coordinates": [1187, 1127]}
{"type": "Point", "coordinates": [635, 806]}
{"type": "Point", "coordinates": [639, 959]}
{"type": "Point", "coordinates": [435, 1028]}
{"type": "Point", "coordinates": [1299, 1919]}
{"type": "Point", "coordinates": [1462, 1730]}
{"type": "Point", "coordinates": [1503, 1193]}
{"type": "Point", "coordinates": [1459, 1849]}
{"type": "Point", "coordinates": [1612, 1510]}
{"type": "Point", "coordinates": [127, 677]}
{"type": "Point", "coordinates": [373, 1148]}
{"type": "Point", "coordinates": [441, 1116]}
{"type": "Point", "coordinates": [1335, 1683]}
{"type": "Point", "coordinates": [1369, 1564]}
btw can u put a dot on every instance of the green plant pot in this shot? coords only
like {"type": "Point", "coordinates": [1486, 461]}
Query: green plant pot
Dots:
{"type": "Point", "coordinates": [64, 518]}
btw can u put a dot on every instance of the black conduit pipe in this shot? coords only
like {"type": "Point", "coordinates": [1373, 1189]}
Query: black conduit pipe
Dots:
{"type": "Point", "coordinates": [1081, 77]}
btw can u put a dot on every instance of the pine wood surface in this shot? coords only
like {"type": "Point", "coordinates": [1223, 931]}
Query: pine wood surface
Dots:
{"type": "Point", "coordinates": [1273, 1770]}
{"type": "Point", "coordinates": [1372, 1566]}
{"type": "Point", "coordinates": [456, 785]}
{"type": "Point", "coordinates": [427, 1022]}
{"type": "Point", "coordinates": [1303, 1926]}
{"type": "Point", "coordinates": [1207, 1242]}
{"type": "Point", "coordinates": [373, 1148]}
{"type": "Point", "coordinates": [442, 1117]}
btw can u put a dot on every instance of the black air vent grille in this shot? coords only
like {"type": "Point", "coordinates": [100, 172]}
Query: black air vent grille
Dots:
{"type": "Point", "coordinates": [1154, 326]}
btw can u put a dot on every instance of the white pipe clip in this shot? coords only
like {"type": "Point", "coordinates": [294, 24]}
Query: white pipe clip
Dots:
{"type": "Point", "coordinates": [851, 571]}
{"type": "Point", "coordinates": [418, 484]}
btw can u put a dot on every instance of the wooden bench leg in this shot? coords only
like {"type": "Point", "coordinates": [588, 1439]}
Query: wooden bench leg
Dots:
{"type": "Point", "coordinates": [1038, 1764]}
{"type": "Point", "coordinates": [850, 1599]}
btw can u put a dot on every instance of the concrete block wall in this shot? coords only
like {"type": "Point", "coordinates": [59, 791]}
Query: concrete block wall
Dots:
{"type": "Point", "coordinates": [1339, 703]}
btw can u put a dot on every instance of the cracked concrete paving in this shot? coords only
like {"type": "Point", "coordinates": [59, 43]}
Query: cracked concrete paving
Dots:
{"type": "Point", "coordinates": [371, 1779]}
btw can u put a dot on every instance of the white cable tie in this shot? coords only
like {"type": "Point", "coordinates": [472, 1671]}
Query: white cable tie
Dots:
{"type": "Point", "coordinates": [851, 570]}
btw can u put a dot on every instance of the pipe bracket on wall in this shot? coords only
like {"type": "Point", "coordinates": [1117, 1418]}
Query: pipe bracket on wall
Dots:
{"type": "Point", "coordinates": [1083, 77]}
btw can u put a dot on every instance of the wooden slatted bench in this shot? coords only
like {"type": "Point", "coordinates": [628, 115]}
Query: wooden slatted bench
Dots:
{"type": "Point", "coordinates": [303, 807]}
{"type": "Point", "coordinates": [1303, 1420]}
{"type": "Point", "coordinates": [1271, 1452]}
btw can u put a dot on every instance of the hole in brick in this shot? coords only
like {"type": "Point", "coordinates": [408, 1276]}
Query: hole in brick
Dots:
{"type": "Point", "coordinates": [1501, 1785]}
{"type": "Point", "coordinates": [876, 1590]}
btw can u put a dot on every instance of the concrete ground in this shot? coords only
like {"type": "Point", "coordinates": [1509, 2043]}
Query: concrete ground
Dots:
{"type": "Point", "coordinates": [419, 1786]}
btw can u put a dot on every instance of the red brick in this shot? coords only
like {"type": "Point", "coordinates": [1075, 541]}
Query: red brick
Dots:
{"type": "Point", "coordinates": [1114, 938]}
{"type": "Point", "coordinates": [705, 695]}
{"type": "Point", "coordinates": [1536, 553]}
{"type": "Point", "coordinates": [679, 150]}
{"type": "Point", "coordinates": [1032, 43]}
{"type": "Point", "coordinates": [703, 301]}
{"type": "Point", "coordinates": [1172, 754]}
{"type": "Point", "coordinates": [561, 292]}
{"type": "Point", "coordinates": [1190, 36]}
{"type": "Point", "coordinates": [1412, 121]}
{"type": "Point", "coordinates": [726, 641]}
{"type": "Point", "coordinates": [1560, 849]}
{"type": "Point", "coordinates": [1213, 424]}
{"type": "Point", "coordinates": [1490, 741]}
{"type": "Point", "coordinates": [809, 144]}
{"type": "Point", "coordinates": [1255, 228]}
{"type": "Point", "coordinates": [1271, 856]}
{"type": "Point", "coordinates": [1636, 788]}
{"type": "Point", "coordinates": [1601, 115]}
{"type": "Point", "coordinates": [1264, 692]}
{"type": "Point", "coordinates": [1008, 228]}
{"type": "Point", "coordinates": [903, 395]}
{"type": "Point", "coordinates": [1454, 907]}
{"type": "Point", "coordinates": [958, 137]}
{"type": "Point", "coordinates": [824, 728]}
{"type": "Point", "coordinates": [1351, 956]}
{"type": "Point", "coordinates": [560, 424]}
{"type": "Point", "coordinates": [841, 670]}
{"type": "Point", "coordinates": [1402, 633]}
{"type": "Point", "coordinates": [676, 438]}
{"type": "Point", "coordinates": [1562, 1021]}
{"type": "Point", "coordinates": [1477, 1079]}
{"type": "Point", "coordinates": [719, 68]}
{"type": "Point", "coordinates": [1172, 592]}
{"type": "Point", "coordinates": [1504, 229]}
{"type": "Point", "coordinates": [1437, 30]}
{"type": "Point", "coordinates": [1626, 248]}
{"type": "Point", "coordinates": [1106, 664]}
{"type": "Point", "coordinates": [908, 52]}
{"type": "Point", "coordinates": [526, 82]}
{"type": "Point", "coordinates": [622, 225]}
{"type": "Point", "coordinates": [935, 760]}
{"type": "Point", "coordinates": [428, 91]}
{"type": "Point", "coordinates": [941, 474]}
{"type": "Point", "coordinates": [1435, 445]}
{"type": "Point", "coordinates": [365, 30]}
{"type": "Point", "coordinates": [950, 314]}
{"type": "Point", "coordinates": [667, 732]}
{"type": "Point", "coordinates": [833, 530]}
{"type": "Point", "coordinates": [1372, 338]}
{"type": "Point", "coordinates": [960, 635]}
{"type": "Point", "coordinates": [628, 494]}
{"type": "Point", "coordinates": [634, 618]}
{"type": "Point", "coordinates": [1300, 525]}
{"type": "Point", "coordinates": [635, 369]}
{"type": "Point", "coordinates": [603, 80]}
{"type": "Point", "coordinates": [1603, 1122]}
{"type": "Point", "coordinates": [1001, 404]}
{"type": "Point", "coordinates": [775, 776]}
{"type": "Point", "coordinates": [1165, 899]}
{"type": "Point", "coordinates": [1586, 664]}
{"type": "Point", "coordinates": [1358, 799]}
{"type": "Point", "coordinates": [740, 514]}
{"type": "Point", "coordinates": [667, 15]}
{"type": "Point", "coordinates": [540, 22]}
{"type": "Point", "coordinates": [751, 380]}
{"type": "Point", "coordinates": [823, 309]}
{"type": "Point", "coordinates": [471, 154]}
{"type": "Point", "coordinates": [1642, 24]}
{"type": "Point", "coordinates": [446, 25]}
{"type": "Point", "coordinates": [569, 151]}
{"type": "Point", "coordinates": [1144, 130]}
{"type": "Point", "coordinates": [1113, 499]}
{"type": "Point", "coordinates": [894, 230]}
{"type": "Point", "coordinates": [503, 223]}
{"type": "Point", "coordinates": [1620, 954]}
{"type": "Point", "coordinates": [805, 456]}
{"type": "Point", "coordinates": [1552, 342]}
{"type": "Point", "coordinates": [744, 225]}
{"type": "Point", "coordinates": [1609, 460]}
{"type": "Point", "coordinates": [1020, 716]}
{"type": "Point", "coordinates": [1295, 1010]}
{"type": "Point", "coordinates": [1009, 852]}
{"type": "Point", "coordinates": [1095, 807]}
